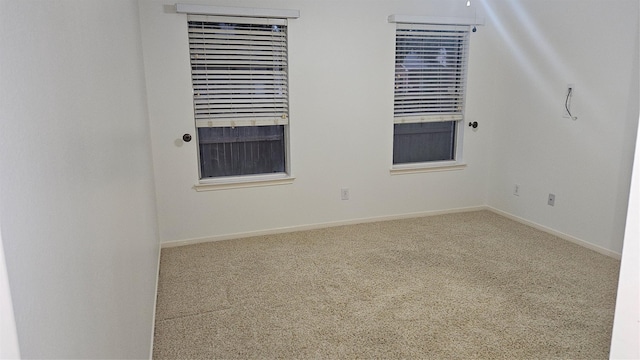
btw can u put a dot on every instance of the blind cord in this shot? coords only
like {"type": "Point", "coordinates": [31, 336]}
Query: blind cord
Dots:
{"type": "Point", "coordinates": [566, 104]}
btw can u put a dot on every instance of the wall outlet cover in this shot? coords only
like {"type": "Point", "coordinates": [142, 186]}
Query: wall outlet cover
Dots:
{"type": "Point", "coordinates": [344, 194]}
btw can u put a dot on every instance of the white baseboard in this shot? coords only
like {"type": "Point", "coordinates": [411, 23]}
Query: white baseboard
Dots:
{"type": "Point", "coordinates": [588, 245]}
{"type": "Point", "coordinates": [559, 234]}
{"type": "Point", "coordinates": [155, 304]}
{"type": "Point", "coordinates": [173, 243]}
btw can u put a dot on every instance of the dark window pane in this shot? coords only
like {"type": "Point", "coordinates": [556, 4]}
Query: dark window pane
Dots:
{"type": "Point", "coordinates": [422, 142]}
{"type": "Point", "coordinates": [245, 150]}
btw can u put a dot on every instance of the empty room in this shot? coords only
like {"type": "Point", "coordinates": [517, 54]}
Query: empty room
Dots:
{"type": "Point", "coordinates": [319, 179]}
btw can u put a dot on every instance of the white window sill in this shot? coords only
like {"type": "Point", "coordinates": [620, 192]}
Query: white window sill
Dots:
{"type": "Point", "coordinates": [238, 182]}
{"type": "Point", "coordinates": [414, 168]}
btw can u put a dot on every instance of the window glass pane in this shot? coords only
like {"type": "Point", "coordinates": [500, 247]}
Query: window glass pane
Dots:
{"type": "Point", "coordinates": [421, 142]}
{"type": "Point", "coordinates": [246, 150]}
{"type": "Point", "coordinates": [429, 94]}
{"type": "Point", "coordinates": [240, 96]}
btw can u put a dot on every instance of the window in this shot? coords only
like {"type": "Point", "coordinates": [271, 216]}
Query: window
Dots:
{"type": "Point", "coordinates": [240, 94]}
{"type": "Point", "coordinates": [429, 95]}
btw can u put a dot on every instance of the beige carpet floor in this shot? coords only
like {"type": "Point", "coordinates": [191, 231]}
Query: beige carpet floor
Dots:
{"type": "Point", "coordinates": [468, 286]}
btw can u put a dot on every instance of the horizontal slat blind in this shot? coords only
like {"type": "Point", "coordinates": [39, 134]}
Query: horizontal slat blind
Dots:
{"type": "Point", "coordinates": [431, 71]}
{"type": "Point", "coordinates": [239, 71]}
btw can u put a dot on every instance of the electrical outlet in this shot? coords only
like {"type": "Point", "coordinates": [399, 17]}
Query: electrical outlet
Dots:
{"type": "Point", "coordinates": [551, 200]}
{"type": "Point", "coordinates": [344, 194]}
{"type": "Point", "coordinates": [516, 190]}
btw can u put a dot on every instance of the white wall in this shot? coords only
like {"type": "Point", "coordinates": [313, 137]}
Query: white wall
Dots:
{"type": "Point", "coordinates": [341, 73]}
{"type": "Point", "coordinates": [539, 47]}
{"type": "Point", "coordinates": [9, 348]}
{"type": "Point", "coordinates": [341, 113]}
{"type": "Point", "coordinates": [76, 194]}
{"type": "Point", "coordinates": [626, 326]}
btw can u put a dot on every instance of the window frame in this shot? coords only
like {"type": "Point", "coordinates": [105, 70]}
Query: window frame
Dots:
{"type": "Point", "coordinates": [243, 15]}
{"type": "Point", "coordinates": [437, 165]}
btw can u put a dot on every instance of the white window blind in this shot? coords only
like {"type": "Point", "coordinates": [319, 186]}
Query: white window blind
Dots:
{"type": "Point", "coordinates": [431, 71]}
{"type": "Point", "coordinates": [239, 71]}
